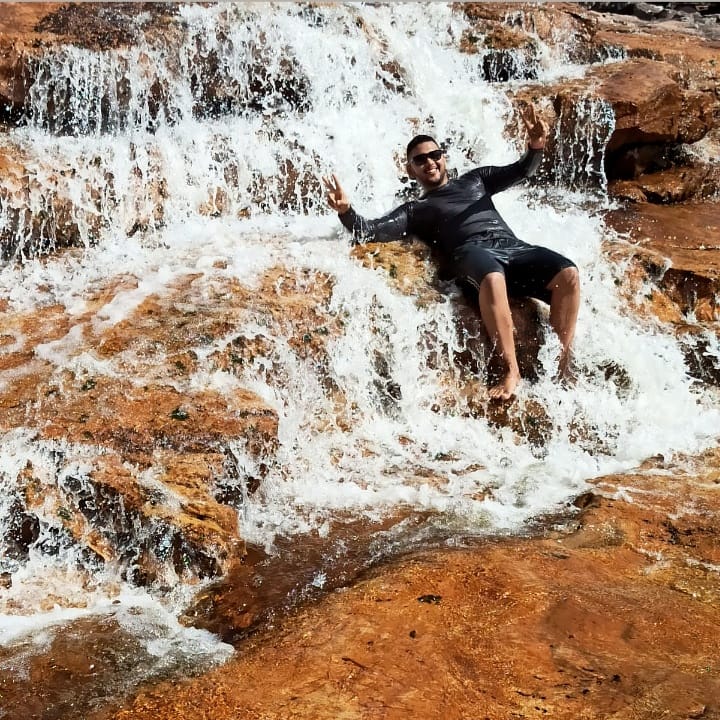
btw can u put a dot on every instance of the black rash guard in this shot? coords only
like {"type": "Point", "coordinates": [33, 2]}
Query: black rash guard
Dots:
{"type": "Point", "coordinates": [468, 237]}
{"type": "Point", "coordinates": [447, 217]}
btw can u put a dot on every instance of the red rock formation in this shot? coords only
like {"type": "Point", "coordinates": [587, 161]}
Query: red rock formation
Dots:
{"type": "Point", "coordinates": [680, 246]}
{"type": "Point", "coordinates": [662, 96]}
{"type": "Point", "coordinates": [619, 618]}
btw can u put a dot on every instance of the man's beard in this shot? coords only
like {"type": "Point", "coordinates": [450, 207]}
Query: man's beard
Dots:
{"type": "Point", "coordinates": [442, 178]}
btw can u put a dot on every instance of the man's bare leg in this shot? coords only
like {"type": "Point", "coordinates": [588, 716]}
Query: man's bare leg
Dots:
{"type": "Point", "coordinates": [564, 304]}
{"type": "Point", "coordinates": [495, 313]}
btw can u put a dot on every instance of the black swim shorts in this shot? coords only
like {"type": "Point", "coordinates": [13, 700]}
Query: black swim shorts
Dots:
{"type": "Point", "coordinates": [528, 269]}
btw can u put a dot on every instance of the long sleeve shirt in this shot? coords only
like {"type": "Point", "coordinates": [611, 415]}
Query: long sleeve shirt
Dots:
{"type": "Point", "coordinates": [447, 217]}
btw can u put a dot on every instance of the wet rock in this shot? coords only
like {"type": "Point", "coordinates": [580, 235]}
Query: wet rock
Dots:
{"type": "Point", "coordinates": [34, 31]}
{"type": "Point", "coordinates": [646, 11]}
{"type": "Point", "coordinates": [697, 343]}
{"type": "Point", "coordinates": [503, 27]}
{"type": "Point", "coordinates": [698, 16]}
{"type": "Point", "coordinates": [651, 106]}
{"type": "Point", "coordinates": [505, 53]}
{"type": "Point", "coordinates": [145, 493]}
{"type": "Point", "coordinates": [83, 670]}
{"type": "Point", "coordinates": [45, 210]}
{"type": "Point", "coordinates": [174, 527]}
{"type": "Point", "coordinates": [295, 188]}
{"type": "Point", "coordinates": [263, 587]}
{"type": "Point", "coordinates": [40, 216]}
{"type": "Point", "coordinates": [678, 249]}
{"type": "Point", "coordinates": [587, 499]}
{"type": "Point", "coordinates": [563, 625]}
{"type": "Point", "coordinates": [695, 181]}
{"type": "Point", "coordinates": [621, 119]}
{"type": "Point", "coordinates": [43, 33]}
{"type": "Point", "coordinates": [102, 27]}
{"type": "Point", "coordinates": [267, 83]}
{"type": "Point", "coordinates": [617, 126]}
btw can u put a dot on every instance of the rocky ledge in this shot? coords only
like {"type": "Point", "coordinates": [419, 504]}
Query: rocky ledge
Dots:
{"type": "Point", "coordinates": [615, 616]}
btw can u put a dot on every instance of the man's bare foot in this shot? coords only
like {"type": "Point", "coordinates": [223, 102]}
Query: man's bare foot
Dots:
{"type": "Point", "coordinates": [566, 373]}
{"type": "Point", "coordinates": [505, 389]}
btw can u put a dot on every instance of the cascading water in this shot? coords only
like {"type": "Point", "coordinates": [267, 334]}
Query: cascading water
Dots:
{"type": "Point", "coordinates": [202, 155]}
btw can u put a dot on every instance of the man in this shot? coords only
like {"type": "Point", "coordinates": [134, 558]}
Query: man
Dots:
{"type": "Point", "coordinates": [458, 220]}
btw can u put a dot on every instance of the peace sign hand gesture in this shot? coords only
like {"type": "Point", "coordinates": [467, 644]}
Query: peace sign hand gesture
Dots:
{"type": "Point", "coordinates": [336, 197]}
{"type": "Point", "coordinates": [536, 128]}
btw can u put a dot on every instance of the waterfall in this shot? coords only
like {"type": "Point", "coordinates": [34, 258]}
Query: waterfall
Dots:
{"type": "Point", "coordinates": [199, 154]}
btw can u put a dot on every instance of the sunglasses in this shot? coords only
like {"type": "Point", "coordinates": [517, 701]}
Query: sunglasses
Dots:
{"type": "Point", "coordinates": [421, 159]}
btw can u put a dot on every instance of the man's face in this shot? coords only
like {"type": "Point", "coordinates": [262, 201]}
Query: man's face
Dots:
{"type": "Point", "coordinates": [426, 164]}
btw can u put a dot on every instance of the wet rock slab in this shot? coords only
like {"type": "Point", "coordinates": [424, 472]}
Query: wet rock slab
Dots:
{"type": "Point", "coordinates": [687, 235]}
{"type": "Point", "coordinates": [618, 618]}
{"type": "Point", "coordinates": [102, 434]}
{"type": "Point", "coordinates": [88, 664]}
{"type": "Point", "coordinates": [679, 248]}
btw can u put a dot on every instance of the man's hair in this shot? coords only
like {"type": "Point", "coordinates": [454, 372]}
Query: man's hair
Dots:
{"type": "Point", "coordinates": [417, 140]}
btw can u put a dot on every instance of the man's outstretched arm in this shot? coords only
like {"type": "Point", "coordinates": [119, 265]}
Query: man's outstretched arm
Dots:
{"type": "Point", "coordinates": [497, 179]}
{"type": "Point", "coordinates": [393, 226]}
{"type": "Point", "coordinates": [536, 128]}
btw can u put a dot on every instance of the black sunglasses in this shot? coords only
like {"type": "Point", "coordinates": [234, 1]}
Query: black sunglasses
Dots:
{"type": "Point", "coordinates": [422, 157]}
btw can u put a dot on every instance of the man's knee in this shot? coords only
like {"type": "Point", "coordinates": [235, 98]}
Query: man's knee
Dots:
{"type": "Point", "coordinates": [567, 280]}
{"type": "Point", "coordinates": [494, 282]}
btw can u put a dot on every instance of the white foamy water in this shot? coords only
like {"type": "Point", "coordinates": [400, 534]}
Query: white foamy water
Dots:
{"type": "Point", "coordinates": [160, 194]}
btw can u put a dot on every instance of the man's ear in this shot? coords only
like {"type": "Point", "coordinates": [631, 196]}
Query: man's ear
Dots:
{"type": "Point", "coordinates": [410, 170]}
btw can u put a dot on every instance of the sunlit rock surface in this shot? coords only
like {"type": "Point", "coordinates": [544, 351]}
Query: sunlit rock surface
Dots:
{"type": "Point", "coordinates": [155, 453]}
{"type": "Point", "coordinates": [681, 244]}
{"type": "Point", "coordinates": [616, 618]}
{"type": "Point", "coordinates": [661, 95]}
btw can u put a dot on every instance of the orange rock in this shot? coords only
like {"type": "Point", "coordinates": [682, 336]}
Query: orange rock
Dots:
{"type": "Point", "coordinates": [123, 430]}
{"type": "Point", "coordinates": [650, 104]}
{"type": "Point", "coordinates": [679, 246]}
{"type": "Point", "coordinates": [619, 617]}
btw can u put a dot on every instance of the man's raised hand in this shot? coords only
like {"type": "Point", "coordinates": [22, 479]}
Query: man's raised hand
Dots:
{"type": "Point", "coordinates": [536, 128]}
{"type": "Point", "coordinates": [336, 197]}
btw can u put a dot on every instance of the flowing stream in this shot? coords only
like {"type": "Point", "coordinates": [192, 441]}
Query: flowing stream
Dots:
{"type": "Point", "coordinates": [201, 154]}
